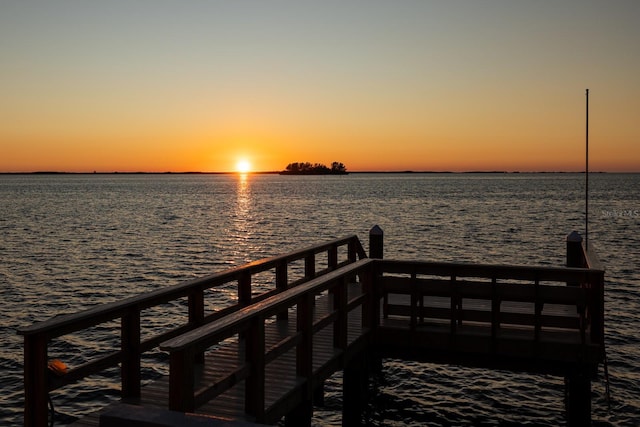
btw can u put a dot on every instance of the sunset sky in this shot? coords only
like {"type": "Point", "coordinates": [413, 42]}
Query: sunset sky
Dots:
{"type": "Point", "coordinates": [154, 85]}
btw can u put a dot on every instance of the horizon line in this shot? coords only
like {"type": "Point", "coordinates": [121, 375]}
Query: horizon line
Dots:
{"type": "Point", "coordinates": [53, 172]}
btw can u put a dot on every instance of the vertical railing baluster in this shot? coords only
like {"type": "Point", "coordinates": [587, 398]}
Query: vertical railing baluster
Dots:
{"type": "Point", "coordinates": [196, 315]}
{"type": "Point", "coordinates": [454, 304]}
{"type": "Point", "coordinates": [282, 283]}
{"type": "Point", "coordinates": [244, 288]}
{"type": "Point", "coordinates": [352, 250]}
{"type": "Point", "coordinates": [413, 320]}
{"type": "Point", "coordinates": [596, 306]}
{"type": "Point", "coordinates": [310, 266]}
{"type": "Point", "coordinates": [538, 305]}
{"type": "Point", "coordinates": [130, 353]}
{"type": "Point", "coordinates": [304, 349]}
{"type": "Point", "coordinates": [371, 306]}
{"type": "Point", "coordinates": [340, 305]}
{"type": "Point", "coordinates": [495, 313]}
{"type": "Point", "coordinates": [332, 257]}
{"type": "Point", "coordinates": [254, 355]}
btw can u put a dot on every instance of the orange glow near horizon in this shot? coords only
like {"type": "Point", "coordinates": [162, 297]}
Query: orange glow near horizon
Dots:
{"type": "Point", "coordinates": [365, 156]}
{"type": "Point", "coordinates": [451, 88]}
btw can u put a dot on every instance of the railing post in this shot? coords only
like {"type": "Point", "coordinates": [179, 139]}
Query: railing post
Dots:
{"type": "Point", "coordinates": [339, 293]}
{"type": "Point", "coordinates": [596, 307]}
{"type": "Point", "coordinates": [304, 350]}
{"type": "Point", "coordinates": [376, 240]}
{"type": "Point", "coordinates": [254, 393]}
{"type": "Point", "coordinates": [196, 308]}
{"type": "Point", "coordinates": [35, 381]}
{"type": "Point", "coordinates": [282, 283]}
{"type": "Point", "coordinates": [310, 266]}
{"type": "Point", "coordinates": [575, 256]}
{"type": "Point", "coordinates": [332, 256]}
{"type": "Point", "coordinates": [181, 381]}
{"type": "Point", "coordinates": [371, 306]}
{"type": "Point", "coordinates": [301, 415]}
{"type": "Point", "coordinates": [196, 314]}
{"type": "Point", "coordinates": [130, 353]}
{"type": "Point", "coordinates": [352, 249]}
{"type": "Point", "coordinates": [244, 288]}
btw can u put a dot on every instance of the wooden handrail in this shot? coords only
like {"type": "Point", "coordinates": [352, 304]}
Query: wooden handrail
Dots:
{"type": "Point", "coordinates": [38, 335]}
{"type": "Point", "coordinates": [500, 271]}
{"type": "Point", "coordinates": [250, 321]}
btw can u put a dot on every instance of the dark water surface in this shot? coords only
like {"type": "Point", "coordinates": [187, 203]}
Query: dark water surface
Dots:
{"type": "Point", "coordinates": [72, 241]}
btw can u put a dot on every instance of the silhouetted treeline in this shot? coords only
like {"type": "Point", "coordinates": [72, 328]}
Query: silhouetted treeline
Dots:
{"type": "Point", "coordinates": [306, 168]}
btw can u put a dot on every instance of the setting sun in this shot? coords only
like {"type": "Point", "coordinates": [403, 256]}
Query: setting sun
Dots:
{"type": "Point", "coordinates": [243, 166]}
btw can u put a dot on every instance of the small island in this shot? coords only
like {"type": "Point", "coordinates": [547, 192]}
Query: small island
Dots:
{"type": "Point", "coordinates": [306, 168]}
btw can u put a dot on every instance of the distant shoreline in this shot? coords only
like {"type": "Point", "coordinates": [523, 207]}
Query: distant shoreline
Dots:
{"type": "Point", "coordinates": [302, 174]}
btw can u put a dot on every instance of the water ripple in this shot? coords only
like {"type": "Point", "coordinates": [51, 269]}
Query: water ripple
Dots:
{"type": "Point", "coordinates": [71, 242]}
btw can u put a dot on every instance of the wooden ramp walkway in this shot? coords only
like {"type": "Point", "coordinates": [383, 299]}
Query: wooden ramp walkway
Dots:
{"type": "Point", "coordinates": [282, 385]}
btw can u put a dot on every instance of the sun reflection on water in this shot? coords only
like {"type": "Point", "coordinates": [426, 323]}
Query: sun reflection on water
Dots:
{"type": "Point", "coordinates": [243, 219]}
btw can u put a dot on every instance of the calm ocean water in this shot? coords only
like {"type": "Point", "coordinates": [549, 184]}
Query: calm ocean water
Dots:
{"type": "Point", "coordinates": [73, 241]}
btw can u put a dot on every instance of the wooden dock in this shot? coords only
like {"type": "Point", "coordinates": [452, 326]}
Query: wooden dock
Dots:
{"type": "Point", "coordinates": [267, 356]}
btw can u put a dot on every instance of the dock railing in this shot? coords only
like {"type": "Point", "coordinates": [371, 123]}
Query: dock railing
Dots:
{"type": "Point", "coordinates": [38, 381]}
{"type": "Point", "coordinates": [455, 294]}
{"type": "Point", "coordinates": [451, 295]}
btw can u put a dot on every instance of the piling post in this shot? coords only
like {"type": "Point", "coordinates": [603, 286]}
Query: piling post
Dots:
{"type": "Point", "coordinates": [376, 241]}
{"type": "Point", "coordinates": [354, 390]}
{"type": "Point", "coordinates": [578, 398]}
{"type": "Point", "coordinates": [575, 255]}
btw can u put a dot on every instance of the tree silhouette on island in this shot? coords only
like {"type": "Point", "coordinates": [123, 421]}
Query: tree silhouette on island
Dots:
{"type": "Point", "coordinates": [306, 168]}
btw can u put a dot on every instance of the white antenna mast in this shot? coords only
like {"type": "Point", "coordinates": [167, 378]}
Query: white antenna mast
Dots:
{"type": "Point", "coordinates": [586, 173]}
